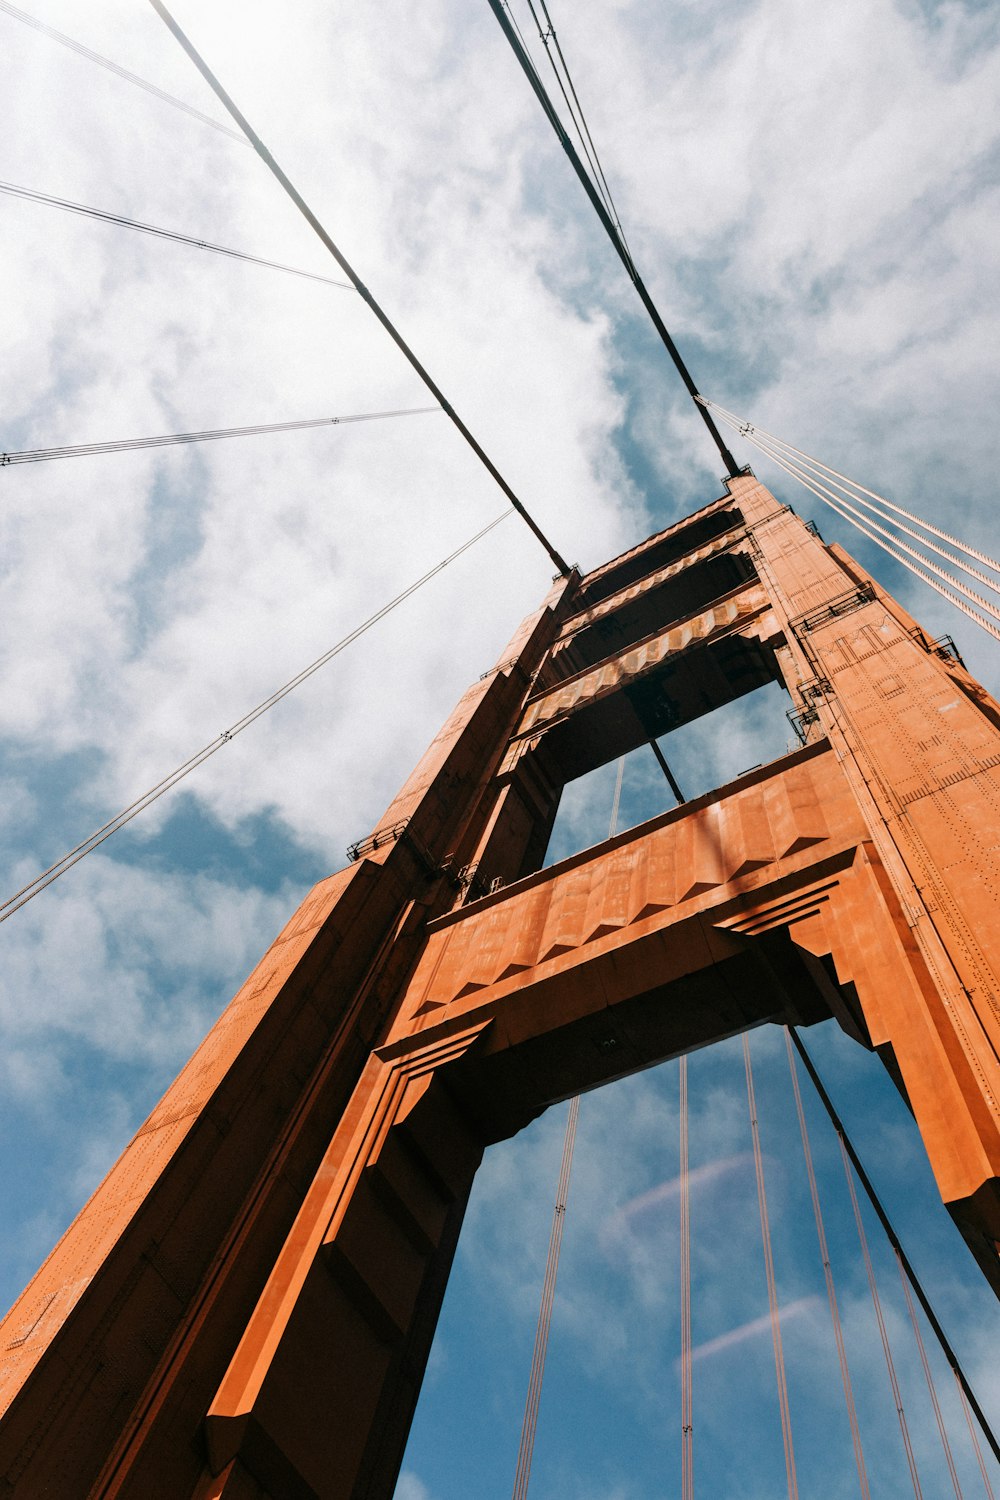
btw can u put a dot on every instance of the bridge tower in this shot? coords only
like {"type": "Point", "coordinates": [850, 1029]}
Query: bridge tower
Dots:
{"type": "Point", "coordinates": [245, 1306]}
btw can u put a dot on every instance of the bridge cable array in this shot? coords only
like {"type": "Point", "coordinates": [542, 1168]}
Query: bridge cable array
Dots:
{"type": "Point", "coordinates": [118, 70]}
{"type": "Point", "coordinates": [167, 440]}
{"type": "Point", "coordinates": [968, 1395]}
{"type": "Point", "coordinates": [167, 783]}
{"type": "Point", "coordinates": [883, 1331]}
{"type": "Point", "coordinates": [911, 1286]}
{"type": "Point", "coordinates": [613, 233]}
{"type": "Point", "coordinates": [347, 268]}
{"type": "Point", "coordinates": [928, 1376]}
{"type": "Point", "coordinates": [32, 195]}
{"type": "Point", "coordinates": [844, 496]}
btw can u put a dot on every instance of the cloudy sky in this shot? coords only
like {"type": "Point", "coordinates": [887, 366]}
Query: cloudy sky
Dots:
{"type": "Point", "coordinates": [812, 195]}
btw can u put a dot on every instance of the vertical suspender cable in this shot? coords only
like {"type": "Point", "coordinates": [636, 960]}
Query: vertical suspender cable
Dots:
{"type": "Point", "coordinates": [390, 328]}
{"type": "Point", "coordinates": [530, 1422]}
{"type": "Point", "coordinates": [883, 1331]}
{"type": "Point", "coordinates": [968, 1393]}
{"type": "Point", "coordinates": [772, 1290]}
{"type": "Point", "coordinates": [616, 800]}
{"type": "Point", "coordinates": [974, 1436]}
{"type": "Point", "coordinates": [930, 1381]}
{"type": "Point", "coordinates": [687, 1363]}
{"type": "Point", "coordinates": [831, 1293]}
{"type": "Point", "coordinates": [522, 1473]}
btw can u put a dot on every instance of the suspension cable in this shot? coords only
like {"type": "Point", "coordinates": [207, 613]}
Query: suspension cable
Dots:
{"type": "Point", "coordinates": [891, 1235]}
{"type": "Point", "coordinates": [530, 1422]}
{"type": "Point", "coordinates": [862, 525]}
{"type": "Point", "coordinates": [687, 1354]}
{"type": "Point", "coordinates": [883, 1331]}
{"type": "Point", "coordinates": [129, 445]}
{"type": "Point", "coordinates": [944, 536]}
{"type": "Point", "coordinates": [661, 761]}
{"type": "Point", "coordinates": [31, 195]}
{"type": "Point", "coordinates": [345, 266]}
{"type": "Point", "coordinates": [530, 72]}
{"type": "Point", "coordinates": [935, 1403]}
{"type": "Point", "coordinates": [772, 1289]}
{"type": "Point", "coordinates": [120, 72]}
{"type": "Point", "coordinates": [838, 1332]}
{"type": "Point", "coordinates": [113, 825]}
{"type": "Point", "coordinates": [576, 114]}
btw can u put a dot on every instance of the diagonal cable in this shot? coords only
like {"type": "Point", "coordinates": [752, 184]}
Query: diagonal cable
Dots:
{"type": "Point", "coordinates": [836, 504]}
{"type": "Point", "coordinates": [890, 505]}
{"type": "Point", "coordinates": [31, 195]}
{"type": "Point", "coordinates": [885, 510]}
{"type": "Point", "coordinates": [834, 499]}
{"type": "Point", "coordinates": [167, 440]}
{"type": "Point", "coordinates": [118, 70]}
{"type": "Point", "coordinates": [348, 269]}
{"type": "Point", "coordinates": [113, 825]}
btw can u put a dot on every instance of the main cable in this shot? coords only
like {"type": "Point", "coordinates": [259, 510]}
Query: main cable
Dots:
{"type": "Point", "coordinates": [31, 195]}
{"type": "Point", "coordinates": [129, 445]}
{"type": "Point", "coordinates": [167, 783]}
{"type": "Point", "coordinates": [530, 72]}
{"type": "Point", "coordinates": [118, 70]}
{"type": "Point", "coordinates": [576, 114]}
{"type": "Point", "coordinates": [347, 268]}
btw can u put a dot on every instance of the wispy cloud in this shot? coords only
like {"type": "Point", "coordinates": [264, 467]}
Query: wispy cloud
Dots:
{"type": "Point", "coordinates": [753, 1329]}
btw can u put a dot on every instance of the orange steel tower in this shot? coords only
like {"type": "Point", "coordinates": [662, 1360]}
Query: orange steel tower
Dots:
{"type": "Point", "coordinates": [245, 1306]}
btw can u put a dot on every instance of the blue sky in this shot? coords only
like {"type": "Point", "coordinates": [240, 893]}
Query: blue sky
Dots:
{"type": "Point", "coordinates": [813, 198]}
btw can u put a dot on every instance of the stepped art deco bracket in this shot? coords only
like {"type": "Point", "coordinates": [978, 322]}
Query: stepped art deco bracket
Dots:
{"type": "Point", "coordinates": [245, 1306]}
